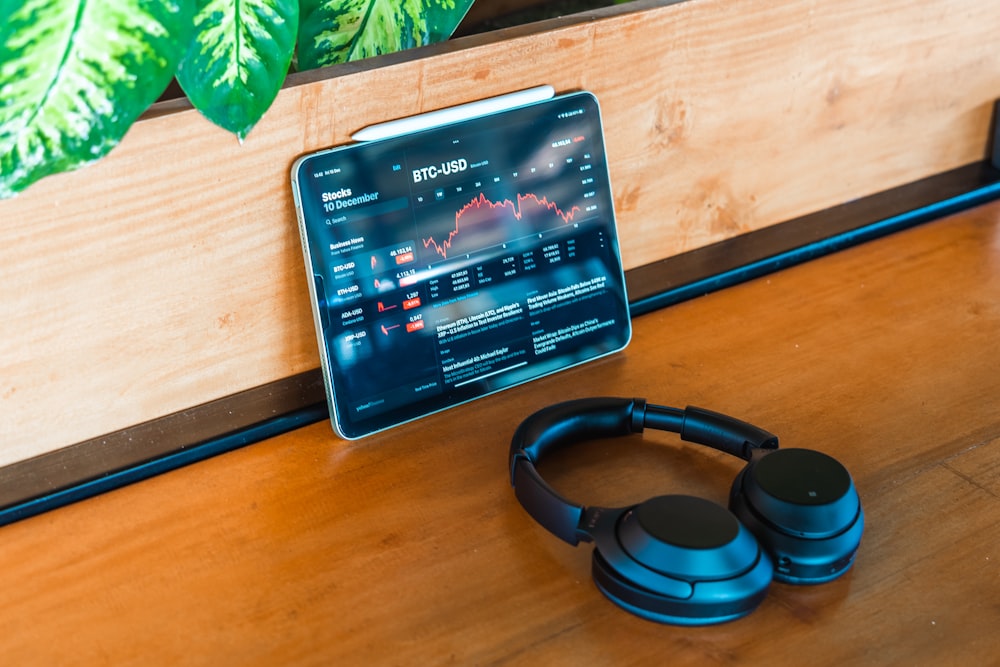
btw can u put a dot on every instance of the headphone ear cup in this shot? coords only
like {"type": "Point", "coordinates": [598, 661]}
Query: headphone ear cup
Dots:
{"type": "Point", "coordinates": [804, 509]}
{"type": "Point", "coordinates": [681, 560]}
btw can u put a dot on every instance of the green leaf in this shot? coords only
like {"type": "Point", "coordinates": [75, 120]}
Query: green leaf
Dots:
{"type": "Point", "coordinates": [75, 75]}
{"type": "Point", "coordinates": [238, 59]}
{"type": "Point", "coordinates": [335, 31]}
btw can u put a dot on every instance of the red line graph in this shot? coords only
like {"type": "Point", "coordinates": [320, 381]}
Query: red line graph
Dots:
{"type": "Point", "coordinates": [514, 208]}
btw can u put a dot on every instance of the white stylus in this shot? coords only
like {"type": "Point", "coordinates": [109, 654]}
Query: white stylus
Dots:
{"type": "Point", "coordinates": [395, 128]}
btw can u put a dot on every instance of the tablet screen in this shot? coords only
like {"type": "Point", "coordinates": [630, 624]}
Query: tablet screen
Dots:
{"type": "Point", "coordinates": [454, 262]}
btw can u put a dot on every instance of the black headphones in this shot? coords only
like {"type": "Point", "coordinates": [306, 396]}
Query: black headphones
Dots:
{"type": "Point", "coordinates": [795, 514]}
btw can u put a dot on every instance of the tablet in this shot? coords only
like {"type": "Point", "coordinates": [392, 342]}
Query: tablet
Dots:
{"type": "Point", "coordinates": [452, 262]}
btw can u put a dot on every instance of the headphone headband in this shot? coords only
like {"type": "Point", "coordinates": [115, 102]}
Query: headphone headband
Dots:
{"type": "Point", "coordinates": [605, 417]}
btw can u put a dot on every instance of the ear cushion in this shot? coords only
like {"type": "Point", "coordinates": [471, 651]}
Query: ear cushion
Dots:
{"type": "Point", "coordinates": [683, 560]}
{"type": "Point", "coordinates": [804, 509]}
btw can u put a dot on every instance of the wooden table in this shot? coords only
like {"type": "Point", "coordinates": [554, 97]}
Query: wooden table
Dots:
{"type": "Point", "coordinates": [409, 547]}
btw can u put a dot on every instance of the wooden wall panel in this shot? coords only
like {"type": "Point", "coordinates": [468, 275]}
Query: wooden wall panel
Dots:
{"type": "Point", "coordinates": [169, 274]}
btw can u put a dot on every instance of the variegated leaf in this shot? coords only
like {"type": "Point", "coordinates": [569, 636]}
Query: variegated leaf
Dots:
{"type": "Point", "coordinates": [335, 31]}
{"type": "Point", "coordinates": [75, 75]}
{"type": "Point", "coordinates": [238, 59]}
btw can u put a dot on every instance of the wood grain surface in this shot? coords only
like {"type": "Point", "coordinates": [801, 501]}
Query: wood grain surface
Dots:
{"type": "Point", "coordinates": [169, 274]}
{"type": "Point", "coordinates": [409, 547]}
